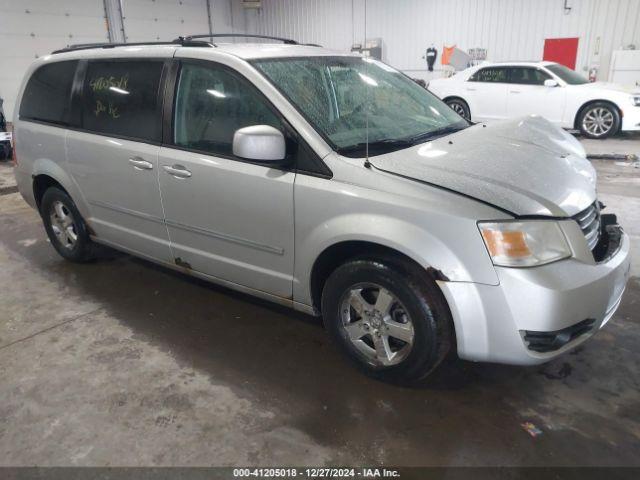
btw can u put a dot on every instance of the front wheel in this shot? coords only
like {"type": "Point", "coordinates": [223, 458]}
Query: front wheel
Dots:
{"type": "Point", "coordinates": [599, 120]}
{"type": "Point", "coordinates": [392, 322]}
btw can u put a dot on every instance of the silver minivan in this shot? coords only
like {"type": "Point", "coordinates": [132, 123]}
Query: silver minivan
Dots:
{"type": "Point", "coordinates": [330, 183]}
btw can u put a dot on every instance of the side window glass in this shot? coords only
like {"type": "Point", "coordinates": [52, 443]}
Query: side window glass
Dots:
{"type": "Point", "coordinates": [490, 75]}
{"type": "Point", "coordinates": [528, 76]}
{"type": "Point", "coordinates": [121, 98]}
{"type": "Point", "coordinates": [211, 104]}
{"type": "Point", "coordinates": [539, 77]}
{"type": "Point", "coordinates": [517, 75]}
{"type": "Point", "coordinates": [47, 96]}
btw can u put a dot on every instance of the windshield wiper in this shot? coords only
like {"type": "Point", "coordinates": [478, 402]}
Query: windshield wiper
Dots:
{"type": "Point", "coordinates": [376, 145]}
{"type": "Point", "coordinates": [441, 132]}
{"type": "Point", "coordinates": [386, 145]}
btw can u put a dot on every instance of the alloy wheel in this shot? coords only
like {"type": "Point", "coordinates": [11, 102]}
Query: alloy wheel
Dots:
{"type": "Point", "coordinates": [63, 225]}
{"type": "Point", "coordinates": [598, 121]}
{"type": "Point", "coordinates": [377, 324]}
{"type": "Point", "coordinates": [459, 109]}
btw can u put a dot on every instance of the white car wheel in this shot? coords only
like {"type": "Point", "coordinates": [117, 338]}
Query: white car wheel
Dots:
{"type": "Point", "coordinates": [599, 120]}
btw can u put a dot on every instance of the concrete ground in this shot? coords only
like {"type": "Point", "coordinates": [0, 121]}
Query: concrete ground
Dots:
{"type": "Point", "coordinates": [626, 143]}
{"type": "Point", "coordinates": [120, 362]}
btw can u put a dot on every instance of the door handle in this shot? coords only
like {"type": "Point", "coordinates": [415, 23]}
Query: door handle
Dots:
{"type": "Point", "coordinates": [471, 89]}
{"type": "Point", "coordinates": [140, 163]}
{"type": "Point", "coordinates": [514, 91]}
{"type": "Point", "coordinates": [177, 171]}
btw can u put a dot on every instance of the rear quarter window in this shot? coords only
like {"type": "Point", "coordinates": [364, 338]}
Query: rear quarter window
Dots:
{"type": "Point", "coordinates": [120, 98]}
{"type": "Point", "coordinates": [47, 96]}
{"type": "Point", "coordinates": [491, 75]}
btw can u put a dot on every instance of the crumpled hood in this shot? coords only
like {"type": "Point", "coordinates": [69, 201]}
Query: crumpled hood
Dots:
{"type": "Point", "coordinates": [525, 166]}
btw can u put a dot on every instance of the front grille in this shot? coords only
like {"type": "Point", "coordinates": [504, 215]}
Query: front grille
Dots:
{"type": "Point", "coordinates": [610, 238]}
{"type": "Point", "coordinates": [550, 341]}
{"type": "Point", "coordinates": [589, 221]}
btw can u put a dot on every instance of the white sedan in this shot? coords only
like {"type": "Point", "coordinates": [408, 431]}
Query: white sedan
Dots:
{"type": "Point", "coordinates": [507, 90]}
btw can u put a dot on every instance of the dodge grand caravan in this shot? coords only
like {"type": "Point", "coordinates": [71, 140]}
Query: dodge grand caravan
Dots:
{"type": "Point", "coordinates": [330, 183]}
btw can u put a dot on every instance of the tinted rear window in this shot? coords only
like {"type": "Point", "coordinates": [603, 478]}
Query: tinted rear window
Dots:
{"type": "Point", "coordinates": [120, 98]}
{"type": "Point", "coordinates": [47, 96]}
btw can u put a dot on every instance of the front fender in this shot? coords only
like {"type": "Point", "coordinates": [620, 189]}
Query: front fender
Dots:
{"type": "Point", "coordinates": [460, 256]}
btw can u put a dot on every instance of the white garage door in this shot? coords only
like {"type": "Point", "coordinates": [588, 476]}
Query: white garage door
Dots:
{"type": "Point", "coordinates": [160, 20]}
{"type": "Point", "coordinates": [32, 28]}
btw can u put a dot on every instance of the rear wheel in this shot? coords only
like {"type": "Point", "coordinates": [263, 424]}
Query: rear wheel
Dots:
{"type": "Point", "coordinates": [599, 120]}
{"type": "Point", "coordinates": [393, 323]}
{"type": "Point", "coordinates": [460, 107]}
{"type": "Point", "coordinates": [65, 227]}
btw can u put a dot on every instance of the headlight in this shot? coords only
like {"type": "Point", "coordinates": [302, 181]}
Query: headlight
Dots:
{"type": "Point", "coordinates": [635, 99]}
{"type": "Point", "coordinates": [524, 243]}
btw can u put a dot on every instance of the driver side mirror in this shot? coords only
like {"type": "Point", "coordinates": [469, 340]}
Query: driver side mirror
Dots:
{"type": "Point", "coordinates": [549, 82]}
{"type": "Point", "coordinates": [260, 143]}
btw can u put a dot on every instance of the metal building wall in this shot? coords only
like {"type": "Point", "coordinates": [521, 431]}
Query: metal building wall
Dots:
{"type": "Point", "coordinates": [159, 20]}
{"type": "Point", "coordinates": [227, 16]}
{"type": "Point", "coordinates": [509, 29]}
{"type": "Point", "coordinates": [153, 20]}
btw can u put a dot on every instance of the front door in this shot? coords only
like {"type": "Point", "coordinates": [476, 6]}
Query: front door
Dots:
{"type": "Point", "coordinates": [527, 95]}
{"type": "Point", "coordinates": [227, 218]}
{"type": "Point", "coordinates": [114, 157]}
{"type": "Point", "coordinates": [486, 94]}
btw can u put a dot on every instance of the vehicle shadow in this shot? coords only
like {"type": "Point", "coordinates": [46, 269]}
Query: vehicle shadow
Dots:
{"type": "Point", "coordinates": [235, 335]}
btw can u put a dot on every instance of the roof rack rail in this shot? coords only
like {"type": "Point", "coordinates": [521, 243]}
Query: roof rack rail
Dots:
{"type": "Point", "coordinates": [177, 41]}
{"type": "Point", "coordinates": [287, 41]}
{"type": "Point", "coordinates": [187, 41]}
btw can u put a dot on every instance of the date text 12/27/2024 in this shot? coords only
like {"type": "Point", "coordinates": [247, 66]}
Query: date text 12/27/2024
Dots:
{"type": "Point", "coordinates": [312, 473]}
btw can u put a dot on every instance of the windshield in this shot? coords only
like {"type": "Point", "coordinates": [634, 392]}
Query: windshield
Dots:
{"type": "Point", "coordinates": [566, 74]}
{"type": "Point", "coordinates": [352, 100]}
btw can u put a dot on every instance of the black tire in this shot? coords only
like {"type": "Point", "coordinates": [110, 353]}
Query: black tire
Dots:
{"type": "Point", "coordinates": [80, 250]}
{"type": "Point", "coordinates": [5, 151]}
{"type": "Point", "coordinates": [599, 120]}
{"type": "Point", "coordinates": [416, 292]}
{"type": "Point", "coordinates": [460, 107]}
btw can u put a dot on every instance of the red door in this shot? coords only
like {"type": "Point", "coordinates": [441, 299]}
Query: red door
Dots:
{"type": "Point", "coordinates": [561, 50]}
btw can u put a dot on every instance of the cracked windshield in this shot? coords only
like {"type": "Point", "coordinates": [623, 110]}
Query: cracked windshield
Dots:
{"type": "Point", "coordinates": [343, 97]}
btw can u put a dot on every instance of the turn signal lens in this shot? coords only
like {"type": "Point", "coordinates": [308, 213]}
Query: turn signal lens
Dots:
{"type": "Point", "coordinates": [509, 244]}
{"type": "Point", "coordinates": [524, 244]}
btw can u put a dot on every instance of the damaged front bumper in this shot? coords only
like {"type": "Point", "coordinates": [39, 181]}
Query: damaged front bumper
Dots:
{"type": "Point", "coordinates": [536, 314]}
{"type": "Point", "coordinates": [631, 119]}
